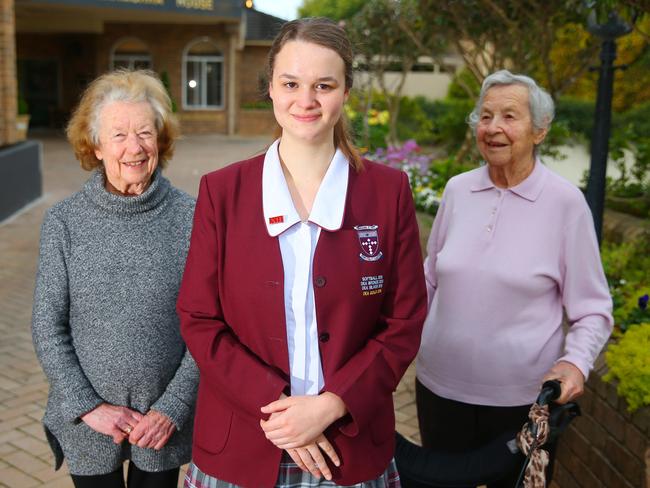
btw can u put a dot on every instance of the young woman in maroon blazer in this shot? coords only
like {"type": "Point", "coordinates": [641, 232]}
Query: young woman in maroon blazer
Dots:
{"type": "Point", "coordinates": [303, 296]}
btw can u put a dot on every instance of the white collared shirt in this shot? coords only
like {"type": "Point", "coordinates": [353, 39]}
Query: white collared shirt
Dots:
{"type": "Point", "coordinates": [297, 245]}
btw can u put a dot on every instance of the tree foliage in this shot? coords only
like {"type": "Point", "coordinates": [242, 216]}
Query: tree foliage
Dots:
{"type": "Point", "coordinates": [515, 34]}
{"type": "Point", "coordinates": [631, 85]}
{"type": "Point", "coordinates": [333, 9]}
{"type": "Point", "coordinates": [383, 47]}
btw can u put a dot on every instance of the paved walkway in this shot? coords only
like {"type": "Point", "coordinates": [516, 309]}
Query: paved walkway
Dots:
{"type": "Point", "coordinates": [25, 458]}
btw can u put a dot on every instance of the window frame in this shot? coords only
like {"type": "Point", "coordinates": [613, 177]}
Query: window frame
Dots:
{"type": "Point", "coordinates": [131, 58]}
{"type": "Point", "coordinates": [203, 59]}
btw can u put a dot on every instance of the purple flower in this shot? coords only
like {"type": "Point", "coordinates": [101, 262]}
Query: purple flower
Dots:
{"type": "Point", "coordinates": [410, 146]}
{"type": "Point", "coordinates": [643, 302]}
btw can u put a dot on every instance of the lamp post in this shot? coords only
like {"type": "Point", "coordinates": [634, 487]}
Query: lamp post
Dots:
{"type": "Point", "coordinates": [614, 27]}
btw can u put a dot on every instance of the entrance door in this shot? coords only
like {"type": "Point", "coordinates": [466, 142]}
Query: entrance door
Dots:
{"type": "Point", "coordinates": [38, 82]}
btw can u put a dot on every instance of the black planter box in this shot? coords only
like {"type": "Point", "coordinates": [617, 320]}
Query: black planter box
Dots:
{"type": "Point", "coordinates": [20, 176]}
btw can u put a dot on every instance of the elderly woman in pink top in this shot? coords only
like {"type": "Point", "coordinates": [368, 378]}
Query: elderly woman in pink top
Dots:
{"type": "Point", "coordinates": [512, 248]}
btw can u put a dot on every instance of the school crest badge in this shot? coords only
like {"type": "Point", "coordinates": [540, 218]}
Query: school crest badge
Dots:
{"type": "Point", "coordinates": [369, 240]}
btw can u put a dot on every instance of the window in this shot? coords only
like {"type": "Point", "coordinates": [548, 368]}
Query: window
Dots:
{"type": "Point", "coordinates": [131, 54]}
{"type": "Point", "coordinates": [203, 76]}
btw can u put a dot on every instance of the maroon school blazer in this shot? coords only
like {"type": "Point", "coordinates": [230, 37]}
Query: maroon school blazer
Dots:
{"type": "Point", "coordinates": [370, 307]}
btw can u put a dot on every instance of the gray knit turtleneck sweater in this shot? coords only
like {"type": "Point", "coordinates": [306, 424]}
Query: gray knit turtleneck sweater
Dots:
{"type": "Point", "coordinates": [104, 322]}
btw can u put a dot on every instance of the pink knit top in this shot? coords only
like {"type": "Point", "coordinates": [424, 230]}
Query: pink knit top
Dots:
{"type": "Point", "coordinates": [502, 266]}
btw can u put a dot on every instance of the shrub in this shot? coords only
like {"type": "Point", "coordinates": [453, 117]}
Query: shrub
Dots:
{"type": "Point", "coordinates": [626, 266]}
{"type": "Point", "coordinates": [164, 79]}
{"type": "Point", "coordinates": [377, 128]}
{"type": "Point", "coordinates": [427, 176]}
{"type": "Point", "coordinates": [462, 81]}
{"type": "Point", "coordinates": [23, 107]}
{"type": "Point", "coordinates": [576, 115]}
{"type": "Point", "coordinates": [629, 364]}
{"type": "Point", "coordinates": [636, 119]}
{"type": "Point", "coordinates": [418, 168]}
{"type": "Point", "coordinates": [414, 122]}
{"type": "Point", "coordinates": [449, 120]}
{"type": "Point", "coordinates": [428, 122]}
{"type": "Point", "coordinates": [257, 105]}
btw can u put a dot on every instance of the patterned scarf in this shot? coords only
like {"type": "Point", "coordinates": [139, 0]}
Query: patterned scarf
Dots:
{"type": "Point", "coordinates": [529, 440]}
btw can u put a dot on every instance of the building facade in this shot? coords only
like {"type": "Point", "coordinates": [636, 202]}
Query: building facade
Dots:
{"type": "Point", "coordinates": [210, 54]}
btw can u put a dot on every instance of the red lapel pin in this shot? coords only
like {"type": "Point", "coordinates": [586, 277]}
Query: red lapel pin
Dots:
{"type": "Point", "coordinates": [276, 220]}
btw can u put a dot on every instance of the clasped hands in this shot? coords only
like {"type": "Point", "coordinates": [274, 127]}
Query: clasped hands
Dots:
{"type": "Point", "coordinates": [296, 424]}
{"type": "Point", "coordinates": [151, 430]}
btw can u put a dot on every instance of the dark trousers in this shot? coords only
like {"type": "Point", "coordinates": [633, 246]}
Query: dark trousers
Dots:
{"type": "Point", "coordinates": [452, 426]}
{"type": "Point", "coordinates": [135, 478]}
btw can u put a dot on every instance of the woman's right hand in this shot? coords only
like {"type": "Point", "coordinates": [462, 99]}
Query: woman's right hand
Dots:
{"type": "Point", "coordinates": [310, 458]}
{"type": "Point", "coordinates": [112, 420]}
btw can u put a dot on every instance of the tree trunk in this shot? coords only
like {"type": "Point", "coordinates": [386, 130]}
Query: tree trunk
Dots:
{"type": "Point", "coordinates": [466, 147]}
{"type": "Point", "coordinates": [394, 102]}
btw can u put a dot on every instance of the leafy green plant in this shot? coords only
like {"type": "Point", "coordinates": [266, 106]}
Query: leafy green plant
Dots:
{"type": "Point", "coordinates": [631, 139]}
{"type": "Point", "coordinates": [23, 107]}
{"type": "Point", "coordinates": [414, 122]}
{"type": "Point", "coordinates": [626, 267]}
{"type": "Point", "coordinates": [164, 79]}
{"type": "Point", "coordinates": [559, 134]}
{"type": "Point", "coordinates": [427, 176]}
{"type": "Point", "coordinates": [577, 116]}
{"type": "Point", "coordinates": [629, 365]}
{"type": "Point", "coordinates": [369, 126]}
{"type": "Point", "coordinates": [258, 105]}
{"type": "Point", "coordinates": [464, 86]}
{"type": "Point", "coordinates": [439, 123]}
{"type": "Point", "coordinates": [417, 166]}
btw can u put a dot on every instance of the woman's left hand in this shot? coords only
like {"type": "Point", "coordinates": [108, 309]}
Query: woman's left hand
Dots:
{"type": "Point", "coordinates": [153, 431]}
{"type": "Point", "coordinates": [570, 378]}
{"type": "Point", "coordinates": [299, 420]}
{"type": "Point", "coordinates": [311, 460]}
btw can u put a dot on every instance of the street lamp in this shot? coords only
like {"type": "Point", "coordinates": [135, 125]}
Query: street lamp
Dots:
{"type": "Point", "coordinates": [614, 27]}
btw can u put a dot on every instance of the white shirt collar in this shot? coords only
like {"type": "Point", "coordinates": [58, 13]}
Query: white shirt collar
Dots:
{"type": "Point", "coordinates": [329, 204]}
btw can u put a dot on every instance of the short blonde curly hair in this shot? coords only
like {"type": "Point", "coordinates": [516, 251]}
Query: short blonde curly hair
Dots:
{"type": "Point", "coordinates": [123, 86]}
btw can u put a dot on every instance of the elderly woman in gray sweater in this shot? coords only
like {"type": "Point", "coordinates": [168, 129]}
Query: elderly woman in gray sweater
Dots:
{"type": "Point", "coordinates": [122, 384]}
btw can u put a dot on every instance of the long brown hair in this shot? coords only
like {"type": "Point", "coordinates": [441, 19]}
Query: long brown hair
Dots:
{"type": "Point", "coordinates": [326, 33]}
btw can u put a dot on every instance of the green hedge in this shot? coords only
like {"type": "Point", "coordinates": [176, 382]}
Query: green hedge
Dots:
{"type": "Point", "coordinates": [576, 115]}
{"type": "Point", "coordinates": [629, 365]}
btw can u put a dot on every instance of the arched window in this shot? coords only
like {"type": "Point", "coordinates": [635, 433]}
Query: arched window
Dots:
{"type": "Point", "coordinates": [203, 84]}
{"type": "Point", "coordinates": [131, 53]}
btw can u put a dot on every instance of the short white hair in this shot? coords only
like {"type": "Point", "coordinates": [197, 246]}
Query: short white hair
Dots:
{"type": "Point", "coordinates": [540, 103]}
{"type": "Point", "coordinates": [135, 88]}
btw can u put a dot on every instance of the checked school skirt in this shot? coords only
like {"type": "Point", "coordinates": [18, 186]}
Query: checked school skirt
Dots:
{"type": "Point", "coordinates": [291, 476]}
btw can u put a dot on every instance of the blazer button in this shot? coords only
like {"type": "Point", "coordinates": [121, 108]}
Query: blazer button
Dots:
{"type": "Point", "coordinates": [320, 281]}
{"type": "Point", "coordinates": [324, 337]}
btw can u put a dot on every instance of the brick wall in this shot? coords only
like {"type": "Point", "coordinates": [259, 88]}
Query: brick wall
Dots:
{"type": "Point", "coordinates": [251, 68]}
{"type": "Point", "coordinates": [8, 95]}
{"type": "Point", "coordinates": [256, 123]}
{"type": "Point", "coordinates": [166, 43]}
{"type": "Point", "coordinates": [203, 122]}
{"type": "Point", "coordinates": [607, 447]}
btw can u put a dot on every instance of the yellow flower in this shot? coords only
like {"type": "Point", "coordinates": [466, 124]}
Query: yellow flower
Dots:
{"type": "Point", "coordinates": [350, 112]}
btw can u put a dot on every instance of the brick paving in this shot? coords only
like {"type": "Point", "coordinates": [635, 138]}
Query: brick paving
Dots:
{"type": "Point", "coordinates": [25, 457]}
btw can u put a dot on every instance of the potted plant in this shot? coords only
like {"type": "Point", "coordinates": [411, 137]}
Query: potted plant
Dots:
{"type": "Point", "coordinates": [22, 119]}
